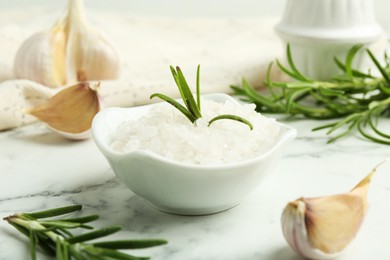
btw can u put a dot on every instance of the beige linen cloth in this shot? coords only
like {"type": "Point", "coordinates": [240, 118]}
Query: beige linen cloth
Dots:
{"type": "Point", "coordinates": [227, 49]}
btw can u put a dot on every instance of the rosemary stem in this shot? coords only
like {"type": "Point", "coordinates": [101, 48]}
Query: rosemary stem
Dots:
{"type": "Point", "coordinates": [34, 225]}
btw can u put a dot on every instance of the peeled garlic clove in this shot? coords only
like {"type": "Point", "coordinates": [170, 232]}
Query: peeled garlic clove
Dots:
{"type": "Point", "coordinates": [90, 55]}
{"type": "Point", "coordinates": [70, 112]}
{"type": "Point", "coordinates": [70, 52]}
{"type": "Point", "coordinates": [41, 57]}
{"type": "Point", "coordinates": [320, 228]}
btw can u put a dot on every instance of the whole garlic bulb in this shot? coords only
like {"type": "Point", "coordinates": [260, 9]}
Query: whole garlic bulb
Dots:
{"type": "Point", "coordinates": [71, 51]}
{"type": "Point", "coordinates": [320, 228]}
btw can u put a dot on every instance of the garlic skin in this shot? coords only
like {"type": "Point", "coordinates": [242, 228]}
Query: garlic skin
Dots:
{"type": "Point", "coordinates": [70, 112]}
{"type": "Point", "coordinates": [71, 51]}
{"type": "Point", "coordinates": [41, 57]}
{"type": "Point", "coordinates": [321, 227]}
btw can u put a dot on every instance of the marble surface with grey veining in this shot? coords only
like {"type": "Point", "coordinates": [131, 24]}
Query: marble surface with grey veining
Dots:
{"type": "Point", "coordinates": [40, 170]}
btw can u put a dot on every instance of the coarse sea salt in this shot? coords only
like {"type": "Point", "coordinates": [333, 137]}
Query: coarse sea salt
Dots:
{"type": "Point", "coordinates": [166, 131]}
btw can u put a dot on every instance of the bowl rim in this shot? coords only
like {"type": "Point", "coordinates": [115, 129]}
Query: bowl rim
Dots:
{"type": "Point", "coordinates": [288, 134]}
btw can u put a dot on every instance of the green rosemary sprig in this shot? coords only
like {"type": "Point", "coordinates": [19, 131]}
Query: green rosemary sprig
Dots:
{"type": "Point", "coordinates": [192, 108]}
{"type": "Point", "coordinates": [54, 238]}
{"type": "Point", "coordinates": [357, 99]}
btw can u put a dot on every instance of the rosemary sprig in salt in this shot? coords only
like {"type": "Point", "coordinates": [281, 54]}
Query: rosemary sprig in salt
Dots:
{"type": "Point", "coordinates": [192, 108]}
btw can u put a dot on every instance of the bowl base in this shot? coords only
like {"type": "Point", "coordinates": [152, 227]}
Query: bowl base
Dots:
{"type": "Point", "coordinates": [192, 211]}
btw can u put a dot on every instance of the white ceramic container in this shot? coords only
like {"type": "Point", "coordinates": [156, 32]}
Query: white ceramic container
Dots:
{"type": "Point", "coordinates": [319, 30]}
{"type": "Point", "coordinates": [180, 188]}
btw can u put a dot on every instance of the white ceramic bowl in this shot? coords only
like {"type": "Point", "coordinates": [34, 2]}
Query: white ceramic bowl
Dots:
{"type": "Point", "coordinates": [319, 30]}
{"type": "Point", "coordinates": [180, 188]}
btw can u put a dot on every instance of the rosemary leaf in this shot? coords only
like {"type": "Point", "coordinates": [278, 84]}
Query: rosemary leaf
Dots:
{"type": "Point", "coordinates": [54, 212]}
{"type": "Point", "coordinates": [77, 254]}
{"type": "Point", "coordinates": [116, 254]}
{"type": "Point", "coordinates": [83, 220]}
{"type": "Point", "coordinates": [296, 72]}
{"type": "Point", "coordinates": [370, 137]}
{"type": "Point", "coordinates": [327, 92]}
{"type": "Point", "coordinates": [131, 244]}
{"type": "Point", "coordinates": [188, 97]}
{"type": "Point", "coordinates": [33, 243]}
{"type": "Point", "coordinates": [295, 95]}
{"type": "Point", "coordinates": [176, 104]}
{"type": "Point", "coordinates": [232, 117]}
{"type": "Point", "coordinates": [177, 81]}
{"type": "Point", "coordinates": [60, 224]}
{"type": "Point", "coordinates": [376, 130]}
{"type": "Point", "coordinates": [94, 234]}
{"type": "Point", "coordinates": [342, 122]}
{"type": "Point", "coordinates": [63, 232]}
{"type": "Point", "coordinates": [380, 68]}
{"type": "Point", "coordinates": [252, 94]}
{"type": "Point", "coordinates": [355, 73]}
{"type": "Point", "coordinates": [59, 253]}
{"type": "Point", "coordinates": [349, 59]}
{"type": "Point", "coordinates": [345, 133]}
{"type": "Point", "coordinates": [198, 87]}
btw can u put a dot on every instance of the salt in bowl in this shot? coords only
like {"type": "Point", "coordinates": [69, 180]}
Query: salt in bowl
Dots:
{"type": "Point", "coordinates": [183, 188]}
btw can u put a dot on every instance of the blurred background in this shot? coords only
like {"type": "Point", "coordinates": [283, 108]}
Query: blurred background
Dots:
{"type": "Point", "coordinates": [187, 8]}
{"type": "Point", "coordinates": [198, 8]}
{"type": "Point", "coordinates": [170, 7]}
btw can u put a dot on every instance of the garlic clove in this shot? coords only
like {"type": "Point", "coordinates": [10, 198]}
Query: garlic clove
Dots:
{"type": "Point", "coordinates": [90, 55]}
{"type": "Point", "coordinates": [59, 55]}
{"type": "Point", "coordinates": [70, 52]}
{"type": "Point", "coordinates": [320, 228]}
{"type": "Point", "coordinates": [70, 112]}
{"type": "Point", "coordinates": [41, 57]}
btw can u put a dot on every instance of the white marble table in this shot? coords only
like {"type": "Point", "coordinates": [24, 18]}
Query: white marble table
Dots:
{"type": "Point", "coordinates": [40, 170]}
